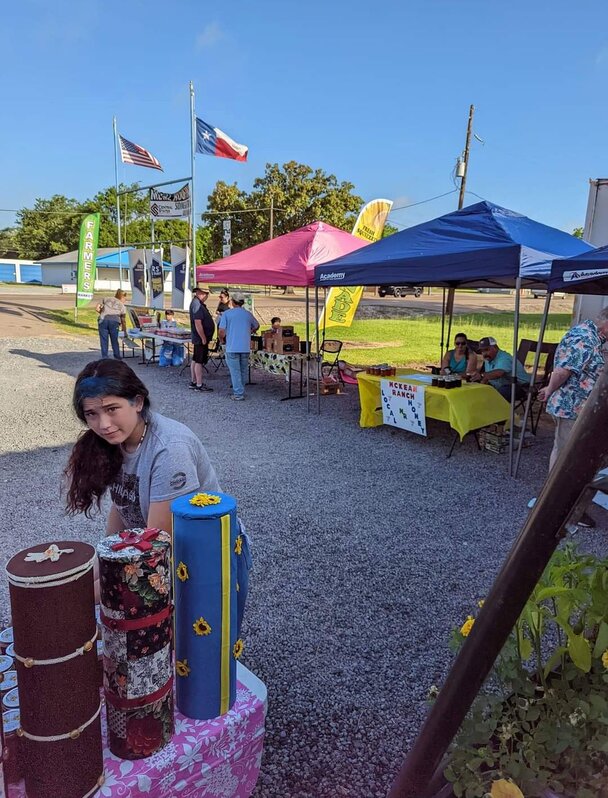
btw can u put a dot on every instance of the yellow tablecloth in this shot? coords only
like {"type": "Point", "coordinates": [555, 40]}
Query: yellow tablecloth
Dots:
{"type": "Point", "coordinates": [467, 408]}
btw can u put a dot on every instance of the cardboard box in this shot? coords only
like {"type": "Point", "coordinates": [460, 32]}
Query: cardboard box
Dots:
{"type": "Point", "coordinates": [286, 346]}
{"type": "Point", "coordinates": [285, 332]}
{"type": "Point", "coordinates": [268, 337]}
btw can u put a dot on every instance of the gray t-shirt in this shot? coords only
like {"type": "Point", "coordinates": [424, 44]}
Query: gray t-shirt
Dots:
{"type": "Point", "coordinates": [170, 462]}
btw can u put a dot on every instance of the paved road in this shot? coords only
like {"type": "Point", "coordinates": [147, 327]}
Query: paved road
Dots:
{"type": "Point", "coordinates": [24, 312]}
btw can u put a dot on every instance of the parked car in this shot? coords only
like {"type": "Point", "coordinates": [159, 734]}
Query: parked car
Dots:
{"type": "Point", "coordinates": [537, 293]}
{"type": "Point", "coordinates": [399, 290]}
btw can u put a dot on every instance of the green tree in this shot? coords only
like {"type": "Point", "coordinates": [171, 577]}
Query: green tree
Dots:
{"type": "Point", "coordinates": [577, 232]}
{"type": "Point", "coordinates": [49, 228]}
{"type": "Point", "coordinates": [300, 195]}
{"type": "Point", "coordinates": [9, 248]}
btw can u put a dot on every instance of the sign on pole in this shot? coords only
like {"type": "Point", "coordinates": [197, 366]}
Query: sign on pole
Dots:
{"type": "Point", "coordinates": [403, 405]}
{"type": "Point", "coordinates": [137, 277]}
{"type": "Point", "coordinates": [87, 259]}
{"type": "Point", "coordinates": [157, 283]}
{"type": "Point", "coordinates": [226, 237]}
{"type": "Point", "coordinates": [181, 294]}
{"type": "Point", "coordinates": [166, 205]}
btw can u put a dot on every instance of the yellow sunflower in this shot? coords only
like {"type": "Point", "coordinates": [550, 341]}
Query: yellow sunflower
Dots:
{"type": "Point", "coordinates": [466, 627]}
{"type": "Point", "coordinates": [237, 649]}
{"type": "Point", "coordinates": [182, 667]}
{"type": "Point", "coordinates": [182, 572]}
{"type": "Point", "coordinates": [605, 658]}
{"type": "Point", "coordinates": [201, 627]}
{"type": "Point", "coordinates": [204, 499]}
{"type": "Point", "coordinates": [238, 546]}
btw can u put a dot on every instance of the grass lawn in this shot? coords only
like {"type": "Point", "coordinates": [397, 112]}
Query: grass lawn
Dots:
{"type": "Point", "coordinates": [415, 341]}
{"type": "Point", "coordinates": [400, 342]}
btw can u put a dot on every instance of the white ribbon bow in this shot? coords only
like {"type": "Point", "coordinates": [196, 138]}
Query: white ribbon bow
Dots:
{"type": "Point", "coordinates": [53, 553]}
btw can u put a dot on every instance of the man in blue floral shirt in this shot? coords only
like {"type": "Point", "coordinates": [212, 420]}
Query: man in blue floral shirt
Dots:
{"type": "Point", "coordinates": [578, 363]}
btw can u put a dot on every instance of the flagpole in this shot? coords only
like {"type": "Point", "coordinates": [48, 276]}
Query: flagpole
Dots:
{"type": "Point", "coordinates": [192, 198]}
{"type": "Point", "coordinates": [117, 202]}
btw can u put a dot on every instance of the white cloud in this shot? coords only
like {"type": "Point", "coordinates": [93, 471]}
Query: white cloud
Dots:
{"type": "Point", "coordinates": [210, 35]}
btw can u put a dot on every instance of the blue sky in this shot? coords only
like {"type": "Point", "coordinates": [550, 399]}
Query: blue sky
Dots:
{"type": "Point", "coordinates": [377, 94]}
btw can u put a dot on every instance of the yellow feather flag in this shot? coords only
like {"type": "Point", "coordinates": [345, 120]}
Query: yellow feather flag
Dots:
{"type": "Point", "coordinates": [342, 302]}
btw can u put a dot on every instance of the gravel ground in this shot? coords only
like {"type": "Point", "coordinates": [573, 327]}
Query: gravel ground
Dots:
{"type": "Point", "coordinates": [369, 547]}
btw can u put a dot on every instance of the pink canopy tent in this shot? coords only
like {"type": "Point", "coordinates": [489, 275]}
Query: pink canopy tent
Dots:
{"type": "Point", "coordinates": [289, 259]}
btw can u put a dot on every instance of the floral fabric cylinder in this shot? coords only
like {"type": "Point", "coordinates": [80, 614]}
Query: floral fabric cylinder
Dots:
{"type": "Point", "coordinates": [59, 729]}
{"type": "Point", "coordinates": [136, 619]}
{"type": "Point", "coordinates": [206, 545]}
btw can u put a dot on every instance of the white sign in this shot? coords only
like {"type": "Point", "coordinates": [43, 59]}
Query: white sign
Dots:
{"type": "Point", "coordinates": [164, 205]}
{"type": "Point", "coordinates": [180, 266]}
{"type": "Point", "coordinates": [403, 405]}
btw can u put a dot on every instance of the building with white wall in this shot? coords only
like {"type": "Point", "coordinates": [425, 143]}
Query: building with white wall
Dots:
{"type": "Point", "coordinates": [61, 270]}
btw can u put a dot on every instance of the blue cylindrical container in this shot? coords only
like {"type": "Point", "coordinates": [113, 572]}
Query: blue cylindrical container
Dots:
{"type": "Point", "coordinates": [206, 545]}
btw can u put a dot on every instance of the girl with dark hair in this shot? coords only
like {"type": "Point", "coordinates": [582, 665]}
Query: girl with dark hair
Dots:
{"type": "Point", "coordinates": [461, 359]}
{"type": "Point", "coordinates": [143, 459]}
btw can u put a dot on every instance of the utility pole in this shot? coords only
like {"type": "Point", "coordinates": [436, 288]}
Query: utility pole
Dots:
{"type": "Point", "coordinates": [462, 169]}
{"type": "Point", "coordinates": [271, 217]}
{"type": "Point", "coordinates": [465, 158]}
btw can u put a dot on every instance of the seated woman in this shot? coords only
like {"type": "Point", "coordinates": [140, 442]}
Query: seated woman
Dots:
{"type": "Point", "coordinates": [461, 359]}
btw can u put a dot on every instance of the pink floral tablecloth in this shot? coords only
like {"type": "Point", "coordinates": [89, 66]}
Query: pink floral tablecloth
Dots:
{"type": "Point", "coordinates": [205, 759]}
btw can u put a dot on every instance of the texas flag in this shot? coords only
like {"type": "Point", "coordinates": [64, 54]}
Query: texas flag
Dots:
{"type": "Point", "coordinates": [213, 141]}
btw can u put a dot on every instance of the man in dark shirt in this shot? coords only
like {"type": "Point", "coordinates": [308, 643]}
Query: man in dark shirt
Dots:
{"type": "Point", "coordinates": [202, 328]}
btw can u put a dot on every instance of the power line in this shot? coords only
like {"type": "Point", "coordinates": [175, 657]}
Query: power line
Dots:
{"type": "Point", "coordinates": [422, 202]}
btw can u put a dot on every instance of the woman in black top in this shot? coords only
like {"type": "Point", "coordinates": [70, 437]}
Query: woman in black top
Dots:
{"type": "Point", "coordinates": [223, 304]}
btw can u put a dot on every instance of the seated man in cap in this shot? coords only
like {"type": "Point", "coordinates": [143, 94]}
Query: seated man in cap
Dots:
{"type": "Point", "coordinates": [497, 368]}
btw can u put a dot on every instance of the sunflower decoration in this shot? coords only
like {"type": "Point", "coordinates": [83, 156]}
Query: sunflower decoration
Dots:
{"type": "Point", "coordinates": [201, 627]}
{"type": "Point", "coordinates": [182, 667]}
{"type": "Point", "coordinates": [237, 649]}
{"type": "Point", "coordinates": [182, 572]}
{"type": "Point", "coordinates": [238, 546]}
{"type": "Point", "coordinates": [204, 499]}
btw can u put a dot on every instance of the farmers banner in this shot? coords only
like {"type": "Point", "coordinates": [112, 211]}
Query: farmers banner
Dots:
{"type": "Point", "coordinates": [137, 277]}
{"type": "Point", "coordinates": [87, 259]}
{"type": "Point", "coordinates": [403, 405]}
{"type": "Point", "coordinates": [157, 283]}
{"type": "Point", "coordinates": [164, 205]}
{"type": "Point", "coordinates": [181, 295]}
{"type": "Point", "coordinates": [342, 302]}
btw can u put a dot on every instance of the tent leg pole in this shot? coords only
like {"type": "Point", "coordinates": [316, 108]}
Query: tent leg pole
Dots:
{"type": "Point", "coordinates": [442, 327]}
{"type": "Point", "coordinates": [318, 357]}
{"type": "Point", "coordinates": [450, 314]}
{"type": "Point", "coordinates": [541, 335]}
{"type": "Point", "coordinates": [514, 373]}
{"type": "Point", "coordinates": [307, 352]}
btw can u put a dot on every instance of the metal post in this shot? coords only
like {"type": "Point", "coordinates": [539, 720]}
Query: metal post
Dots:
{"type": "Point", "coordinates": [318, 345]}
{"type": "Point", "coordinates": [307, 295]}
{"type": "Point", "coordinates": [583, 456]}
{"type": "Point", "coordinates": [442, 326]}
{"type": "Point", "coordinates": [541, 335]}
{"type": "Point", "coordinates": [114, 127]}
{"type": "Point", "coordinates": [514, 372]}
{"type": "Point", "coordinates": [192, 192]}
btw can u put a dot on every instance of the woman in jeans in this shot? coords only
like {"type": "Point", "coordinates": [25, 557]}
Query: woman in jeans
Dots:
{"type": "Point", "coordinates": [112, 314]}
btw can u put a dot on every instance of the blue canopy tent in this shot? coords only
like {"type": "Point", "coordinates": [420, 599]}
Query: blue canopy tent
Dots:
{"type": "Point", "coordinates": [582, 274]}
{"type": "Point", "coordinates": [480, 246]}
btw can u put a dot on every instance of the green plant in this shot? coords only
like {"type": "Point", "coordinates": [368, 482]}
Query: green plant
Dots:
{"type": "Point", "coordinates": [541, 720]}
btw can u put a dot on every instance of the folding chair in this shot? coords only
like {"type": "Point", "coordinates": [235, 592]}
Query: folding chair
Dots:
{"type": "Point", "coordinates": [216, 355]}
{"type": "Point", "coordinates": [331, 347]}
{"type": "Point", "coordinates": [527, 347]}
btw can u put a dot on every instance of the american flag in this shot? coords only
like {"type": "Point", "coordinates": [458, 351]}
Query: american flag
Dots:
{"type": "Point", "coordinates": [138, 156]}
